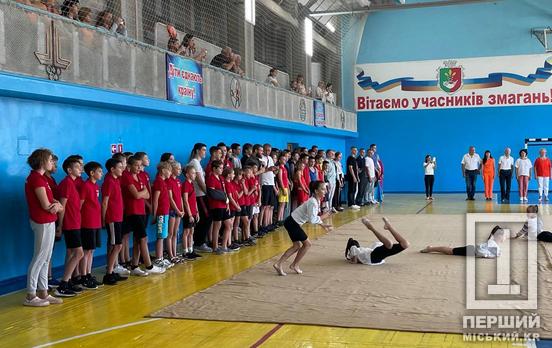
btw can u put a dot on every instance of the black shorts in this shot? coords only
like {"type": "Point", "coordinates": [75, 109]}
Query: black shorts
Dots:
{"type": "Point", "coordinates": [468, 250]}
{"type": "Point", "coordinates": [136, 224]}
{"type": "Point", "coordinates": [268, 197]}
{"type": "Point", "coordinates": [220, 214]}
{"type": "Point", "coordinates": [98, 238]}
{"type": "Point", "coordinates": [88, 237]}
{"type": "Point", "coordinates": [186, 224]}
{"type": "Point", "coordinates": [296, 233]}
{"type": "Point", "coordinates": [545, 236]}
{"type": "Point", "coordinates": [114, 233]}
{"type": "Point", "coordinates": [380, 253]}
{"type": "Point", "coordinates": [246, 210]}
{"type": "Point", "coordinates": [72, 238]}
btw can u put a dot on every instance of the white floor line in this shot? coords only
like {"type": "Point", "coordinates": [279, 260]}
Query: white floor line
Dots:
{"type": "Point", "coordinates": [97, 332]}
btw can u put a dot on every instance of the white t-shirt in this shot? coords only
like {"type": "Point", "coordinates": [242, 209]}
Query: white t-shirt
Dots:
{"type": "Point", "coordinates": [524, 166]}
{"type": "Point", "coordinates": [506, 163]}
{"type": "Point", "coordinates": [307, 212]}
{"type": "Point", "coordinates": [339, 168]}
{"type": "Point", "coordinates": [364, 254]}
{"type": "Point", "coordinates": [429, 168]}
{"type": "Point", "coordinates": [369, 163]}
{"type": "Point", "coordinates": [267, 178]}
{"type": "Point", "coordinates": [471, 162]}
{"type": "Point", "coordinates": [272, 80]}
{"type": "Point", "coordinates": [489, 249]}
{"type": "Point", "coordinates": [200, 173]}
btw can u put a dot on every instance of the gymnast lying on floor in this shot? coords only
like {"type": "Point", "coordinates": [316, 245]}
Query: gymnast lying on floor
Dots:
{"type": "Point", "coordinates": [376, 253]}
{"type": "Point", "coordinates": [489, 249]}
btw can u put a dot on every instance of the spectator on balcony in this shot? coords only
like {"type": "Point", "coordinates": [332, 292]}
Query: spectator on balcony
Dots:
{"type": "Point", "coordinates": [271, 78]}
{"type": "Point", "coordinates": [236, 69]}
{"type": "Point", "coordinates": [321, 91]}
{"type": "Point", "coordinates": [330, 95]}
{"type": "Point", "coordinates": [293, 86]}
{"type": "Point", "coordinates": [189, 49]}
{"type": "Point", "coordinates": [51, 6]}
{"type": "Point", "coordinates": [119, 26]}
{"type": "Point", "coordinates": [224, 59]}
{"type": "Point", "coordinates": [104, 20]}
{"type": "Point", "coordinates": [301, 88]}
{"type": "Point", "coordinates": [85, 15]}
{"type": "Point", "coordinates": [173, 45]}
{"type": "Point", "coordinates": [70, 9]}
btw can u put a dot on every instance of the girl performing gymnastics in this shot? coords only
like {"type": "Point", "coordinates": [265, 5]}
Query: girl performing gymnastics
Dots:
{"type": "Point", "coordinates": [489, 249]}
{"type": "Point", "coordinates": [306, 212]}
{"type": "Point", "coordinates": [376, 253]}
{"type": "Point", "coordinates": [533, 228]}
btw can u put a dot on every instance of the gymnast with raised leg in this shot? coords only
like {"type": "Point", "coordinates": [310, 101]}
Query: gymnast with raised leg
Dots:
{"type": "Point", "coordinates": [306, 212]}
{"type": "Point", "coordinates": [376, 253]}
{"type": "Point", "coordinates": [489, 249]}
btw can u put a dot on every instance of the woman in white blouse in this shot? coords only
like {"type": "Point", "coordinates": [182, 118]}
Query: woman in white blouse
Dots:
{"type": "Point", "coordinates": [523, 174]}
{"type": "Point", "coordinates": [376, 253]}
{"type": "Point", "coordinates": [306, 212]}
{"type": "Point", "coordinates": [429, 178]}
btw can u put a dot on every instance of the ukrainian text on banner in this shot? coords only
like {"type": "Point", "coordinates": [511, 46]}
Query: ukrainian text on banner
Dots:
{"type": "Point", "coordinates": [319, 114]}
{"type": "Point", "coordinates": [184, 81]}
{"type": "Point", "coordinates": [455, 83]}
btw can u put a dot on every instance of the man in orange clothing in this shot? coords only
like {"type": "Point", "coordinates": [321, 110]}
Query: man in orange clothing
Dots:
{"type": "Point", "coordinates": [542, 173]}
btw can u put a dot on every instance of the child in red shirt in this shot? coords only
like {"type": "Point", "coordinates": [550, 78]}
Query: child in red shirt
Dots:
{"type": "Point", "coordinates": [220, 211]}
{"type": "Point", "coordinates": [283, 183]}
{"type": "Point", "coordinates": [161, 205]}
{"type": "Point", "coordinates": [177, 210]}
{"type": "Point", "coordinates": [191, 214]}
{"type": "Point", "coordinates": [91, 221]}
{"type": "Point", "coordinates": [235, 209]}
{"type": "Point", "coordinates": [112, 217]}
{"type": "Point", "coordinates": [70, 224]}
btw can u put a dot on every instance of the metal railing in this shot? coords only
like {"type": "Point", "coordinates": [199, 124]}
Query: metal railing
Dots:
{"type": "Point", "coordinates": [91, 56]}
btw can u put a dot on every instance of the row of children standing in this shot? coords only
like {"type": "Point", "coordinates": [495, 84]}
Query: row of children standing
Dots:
{"type": "Point", "coordinates": [235, 194]}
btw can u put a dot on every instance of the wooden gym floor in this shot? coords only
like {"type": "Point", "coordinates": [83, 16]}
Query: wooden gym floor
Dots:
{"type": "Point", "coordinates": [118, 316]}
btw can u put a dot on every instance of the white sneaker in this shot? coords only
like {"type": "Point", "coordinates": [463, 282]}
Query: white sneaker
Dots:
{"type": "Point", "coordinates": [334, 210]}
{"type": "Point", "coordinates": [156, 270]}
{"type": "Point", "coordinates": [354, 206]}
{"type": "Point", "coordinates": [139, 272]}
{"type": "Point", "coordinates": [36, 302]}
{"type": "Point", "coordinates": [121, 270]}
{"type": "Point", "coordinates": [54, 300]}
{"type": "Point", "coordinates": [167, 264]}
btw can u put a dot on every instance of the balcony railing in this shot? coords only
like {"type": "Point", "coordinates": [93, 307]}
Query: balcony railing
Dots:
{"type": "Point", "coordinates": [91, 56]}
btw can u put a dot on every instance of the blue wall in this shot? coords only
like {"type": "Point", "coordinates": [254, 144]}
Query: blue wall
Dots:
{"type": "Point", "coordinates": [460, 31]}
{"type": "Point", "coordinates": [70, 119]}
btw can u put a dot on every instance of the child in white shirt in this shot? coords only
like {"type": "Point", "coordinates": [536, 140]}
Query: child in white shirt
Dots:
{"type": "Point", "coordinates": [490, 249]}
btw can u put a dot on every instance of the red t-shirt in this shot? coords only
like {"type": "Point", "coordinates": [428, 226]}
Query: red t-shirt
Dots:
{"type": "Point", "coordinates": [306, 175]}
{"type": "Point", "coordinates": [53, 185]}
{"type": "Point", "coordinates": [163, 203]}
{"type": "Point", "coordinates": [285, 178]}
{"type": "Point", "coordinates": [229, 163]}
{"type": "Point", "coordinates": [242, 200]}
{"type": "Point", "coordinates": [145, 178]}
{"type": "Point", "coordinates": [72, 216]}
{"type": "Point", "coordinates": [208, 169]}
{"type": "Point", "coordinates": [319, 173]}
{"type": "Point", "coordinates": [36, 213]}
{"type": "Point", "coordinates": [175, 186]}
{"type": "Point", "coordinates": [542, 167]}
{"type": "Point", "coordinates": [91, 210]}
{"type": "Point", "coordinates": [78, 183]}
{"type": "Point", "coordinates": [217, 184]}
{"type": "Point", "coordinates": [188, 187]}
{"type": "Point", "coordinates": [232, 191]}
{"type": "Point", "coordinates": [111, 188]}
{"type": "Point", "coordinates": [252, 198]}
{"type": "Point", "coordinates": [132, 205]}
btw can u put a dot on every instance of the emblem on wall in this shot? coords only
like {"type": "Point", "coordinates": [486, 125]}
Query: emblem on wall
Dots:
{"type": "Point", "coordinates": [235, 92]}
{"type": "Point", "coordinates": [450, 77]}
{"type": "Point", "coordinates": [302, 110]}
{"type": "Point", "coordinates": [51, 59]}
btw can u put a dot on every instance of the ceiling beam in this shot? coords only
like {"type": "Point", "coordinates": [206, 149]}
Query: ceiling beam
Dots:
{"type": "Point", "coordinates": [377, 8]}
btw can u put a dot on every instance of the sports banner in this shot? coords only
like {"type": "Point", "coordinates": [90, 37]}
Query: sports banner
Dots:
{"type": "Point", "coordinates": [319, 113]}
{"type": "Point", "coordinates": [184, 81]}
{"type": "Point", "coordinates": [454, 83]}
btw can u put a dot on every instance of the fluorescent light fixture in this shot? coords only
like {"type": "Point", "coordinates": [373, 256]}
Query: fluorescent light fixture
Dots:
{"type": "Point", "coordinates": [330, 27]}
{"type": "Point", "coordinates": [249, 6]}
{"type": "Point", "coordinates": [308, 37]}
